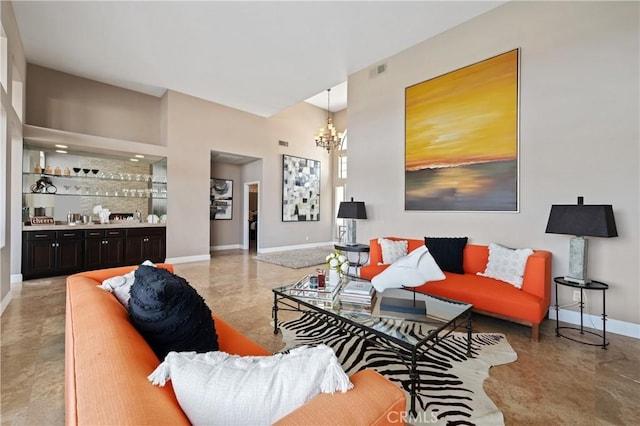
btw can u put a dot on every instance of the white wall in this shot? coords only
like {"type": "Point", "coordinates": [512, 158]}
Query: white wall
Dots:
{"type": "Point", "coordinates": [196, 127]}
{"type": "Point", "coordinates": [579, 134]}
{"type": "Point", "coordinates": [12, 139]}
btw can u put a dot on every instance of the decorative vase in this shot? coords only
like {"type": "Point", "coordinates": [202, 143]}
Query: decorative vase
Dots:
{"type": "Point", "coordinates": [334, 277]}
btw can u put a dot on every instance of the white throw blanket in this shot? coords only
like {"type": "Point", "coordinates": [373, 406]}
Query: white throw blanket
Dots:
{"type": "Point", "coordinates": [412, 270]}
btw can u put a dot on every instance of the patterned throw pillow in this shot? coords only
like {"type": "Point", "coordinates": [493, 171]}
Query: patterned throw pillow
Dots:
{"type": "Point", "coordinates": [169, 313]}
{"type": "Point", "coordinates": [120, 285]}
{"type": "Point", "coordinates": [219, 388]}
{"type": "Point", "coordinates": [506, 264]}
{"type": "Point", "coordinates": [392, 250]}
{"type": "Point", "coordinates": [448, 252]}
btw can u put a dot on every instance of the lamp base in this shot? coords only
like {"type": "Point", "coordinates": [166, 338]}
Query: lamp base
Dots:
{"type": "Point", "coordinates": [578, 261]}
{"type": "Point", "coordinates": [350, 236]}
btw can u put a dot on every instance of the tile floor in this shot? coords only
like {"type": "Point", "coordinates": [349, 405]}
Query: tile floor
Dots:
{"type": "Point", "coordinates": [554, 381]}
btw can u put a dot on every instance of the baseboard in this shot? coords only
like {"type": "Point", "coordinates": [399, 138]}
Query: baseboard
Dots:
{"type": "Point", "coordinates": [16, 278]}
{"type": "Point", "coordinates": [298, 246]}
{"type": "Point", "coordinates": [5, 302]}
{"type": "Point", "coordinates": [227, 247]}
{"type": "Point", "coordinates": [187, 259]}
{"type": "Point", "coordinates": [624, 328]}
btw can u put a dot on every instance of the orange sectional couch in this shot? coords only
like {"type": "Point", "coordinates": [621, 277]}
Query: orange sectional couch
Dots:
{"type": "Point", "coordinates": [527, 306]}
{"type": "Point", "coordinates": [107, 363]}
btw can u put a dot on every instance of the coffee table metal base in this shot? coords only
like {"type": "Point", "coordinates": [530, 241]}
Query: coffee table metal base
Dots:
{"type": "Point", "coordinates": [283, 301]}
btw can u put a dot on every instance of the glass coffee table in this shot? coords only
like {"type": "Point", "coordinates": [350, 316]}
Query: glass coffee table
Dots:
{"type": "Point", "coordinates": [416, 322]}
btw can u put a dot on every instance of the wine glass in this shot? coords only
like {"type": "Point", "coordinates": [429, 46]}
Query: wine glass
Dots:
{"type": "Point", "coordinates": [86, 171]}
{"type": "Point", "coordinates": [77, 170]}
{"type": "Point", "coordinates": [77, 188]}
{"type": "Point", "coordinates": [95, 172]}
{"type": "Point", "coordinates": [125, 191]}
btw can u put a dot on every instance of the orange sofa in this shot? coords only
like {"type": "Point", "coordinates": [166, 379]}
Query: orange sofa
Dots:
{"type": "Point", "coordinates": [107, 363]}
{"type": "Point", "coordinates": [527, 306]}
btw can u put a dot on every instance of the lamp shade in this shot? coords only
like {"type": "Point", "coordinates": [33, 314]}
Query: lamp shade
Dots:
{"type": "Point", "coordinates": [352, 210]}
{"type": "Point", "coordinates": [588, 220]}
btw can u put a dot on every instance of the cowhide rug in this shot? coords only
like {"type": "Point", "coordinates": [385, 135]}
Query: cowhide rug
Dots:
{"type": "Point", "coordinates": [450, 391]}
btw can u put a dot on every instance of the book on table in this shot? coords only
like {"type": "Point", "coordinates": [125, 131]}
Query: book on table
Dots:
{"type": "Point", "coordinates": [357, 293]}
{"type": "Point", "coordinates": [358, 287]}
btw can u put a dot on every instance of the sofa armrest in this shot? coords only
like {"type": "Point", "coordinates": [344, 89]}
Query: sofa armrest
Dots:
{"type": "Point", "coordinates": [374, 400]}
{"type": "Point", "coordinates": [537, 276]}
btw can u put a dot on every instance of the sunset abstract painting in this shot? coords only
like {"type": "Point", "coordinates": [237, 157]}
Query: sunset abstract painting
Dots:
{"type": "Point", "coordinates": [461, 139]}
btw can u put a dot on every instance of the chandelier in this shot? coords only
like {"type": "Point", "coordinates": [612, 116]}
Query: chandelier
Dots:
{"type": "Point", "coordinates": [327, 137]}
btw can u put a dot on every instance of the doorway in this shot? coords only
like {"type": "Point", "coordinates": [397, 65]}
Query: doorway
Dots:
{"type": "Point", "coordinates": [252, 221]}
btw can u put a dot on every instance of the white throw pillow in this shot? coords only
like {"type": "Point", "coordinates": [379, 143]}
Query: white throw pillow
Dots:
{"type": "Point", "coordinates": [219, 388]}
{"type": "Point", "coordinates": [413, 270]}
{"type": "Point", "coordinates": [120, 285]}
{"type": "Point", "coordinates": [506, 264]}
{"type": "Point", "coordinates": [392, 250]}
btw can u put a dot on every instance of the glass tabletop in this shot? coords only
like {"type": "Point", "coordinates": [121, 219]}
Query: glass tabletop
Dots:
{"type": "Point", "coordinates": [404, 315]}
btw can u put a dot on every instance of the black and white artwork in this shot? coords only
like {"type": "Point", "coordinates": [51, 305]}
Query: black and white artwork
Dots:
{"type": "Point", "coordinates": [221, 199]}
{"type": "Point", "coordinates": [300, 189]}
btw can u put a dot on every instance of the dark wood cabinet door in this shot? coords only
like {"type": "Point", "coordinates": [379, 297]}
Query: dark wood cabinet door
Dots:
{"type": "Point", "coordinates": [93, 253]}
{"type": "Point", "coordinates": [38, 258]}
{"type": "Point", "coordinates": [104, 248]}
{"type": "Point", "coordinates": [133, 250]}
{"type": "Point", "coordinates": [113, 252]}
{"type": "Point", "coordinates": [70, 258]}
{"type": "Point", "coordinates": [153, 249]}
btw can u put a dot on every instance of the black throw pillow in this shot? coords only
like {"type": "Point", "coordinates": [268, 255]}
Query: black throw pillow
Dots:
{"type": "Point", "coordinates": [447, 252]}
{"type": "Point", "coordinates": [170, 314]}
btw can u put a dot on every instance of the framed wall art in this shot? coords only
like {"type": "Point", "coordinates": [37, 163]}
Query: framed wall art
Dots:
{"type": "Point", "coordinates": [300, 189]}
{"type": "Point", "coordinates": [221, 199]}
{"type": "Point", "coordinates": [461, 139]}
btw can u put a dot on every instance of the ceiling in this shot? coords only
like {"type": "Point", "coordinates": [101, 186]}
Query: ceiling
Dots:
{"type": "Point", "coordinates": [259, 57]}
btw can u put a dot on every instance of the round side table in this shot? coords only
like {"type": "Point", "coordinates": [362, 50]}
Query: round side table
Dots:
{"type": "Point", "coordinates": [361, 249]}
{"type": "Point", "coordinates": [593, 286]}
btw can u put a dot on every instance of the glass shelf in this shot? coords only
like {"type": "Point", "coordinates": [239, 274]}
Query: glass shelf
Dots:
{"type": "Point", "coordinates": [118, 177]}
{"type": "Point", "coordinates": [119, 194]}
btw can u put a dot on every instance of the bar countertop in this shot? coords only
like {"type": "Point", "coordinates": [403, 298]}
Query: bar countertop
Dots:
{"type": "Point", "coordinates": [118, 224]}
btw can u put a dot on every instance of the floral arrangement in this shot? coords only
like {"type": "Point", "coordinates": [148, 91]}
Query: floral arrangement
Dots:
{"type": "Point", "coordinates": [338, 261]}
{"type": "Point", "coordinates": [102, 213]}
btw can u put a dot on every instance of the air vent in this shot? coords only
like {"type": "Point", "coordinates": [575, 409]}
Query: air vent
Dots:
{"type": "Point", "coordinates": [377, 70]}
{"type": "Point", "coordinates": [283, 143]}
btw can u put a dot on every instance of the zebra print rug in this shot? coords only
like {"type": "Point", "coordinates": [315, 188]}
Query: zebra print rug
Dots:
{"type": "Point", "coordinates": [450, 391]}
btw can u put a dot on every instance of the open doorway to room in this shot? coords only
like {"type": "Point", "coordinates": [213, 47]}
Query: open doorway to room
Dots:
{"type": "Point", "coordinates": [230, 231]}
{"type": "Point", "coordinates": [251, 191]}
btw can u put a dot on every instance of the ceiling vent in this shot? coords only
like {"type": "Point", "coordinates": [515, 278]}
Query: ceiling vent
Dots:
{"type": "Point", "coordinates": [283, 143]}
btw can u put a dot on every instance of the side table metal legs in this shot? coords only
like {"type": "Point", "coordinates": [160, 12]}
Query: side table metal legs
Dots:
{"type": "Point", "coordinates": [594, 286]}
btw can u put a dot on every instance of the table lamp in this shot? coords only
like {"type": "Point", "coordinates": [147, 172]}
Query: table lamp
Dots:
{"type": "Point", "coordinates": [581, 220]}
{"type": "Point", "coordinates": [351, 210]}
